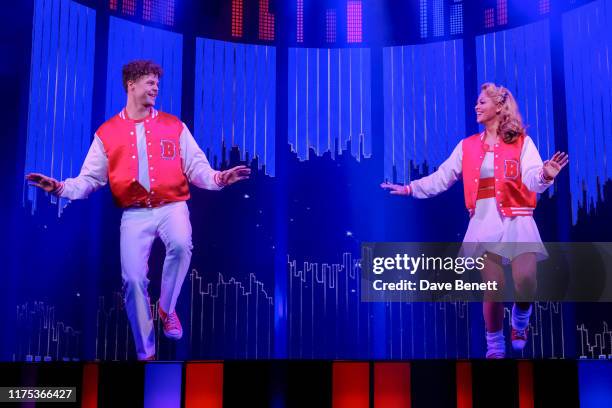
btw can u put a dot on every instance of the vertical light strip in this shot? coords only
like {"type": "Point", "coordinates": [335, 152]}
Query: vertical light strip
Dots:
{"type": "Point", "coordinates": [89, 393]}
{"type": "Point", "coordinates": [456, 19]}
{"type": "Point", "coordinates": [330, 25]}
{"type": "Point", "coordinates": [361, 101]}
{"type": "Point", "coordinates": [300, 21]}
{"type": "Point", "coordinates": [525, 384]}
{"type": "Point", "coordinates": [266, 21]}
{"type": "Point", "coordinates": [350, 69]}
{"type": "Point", "coordinates": [255, 105]}
{"type": "Point", "coordinates": [296, 104]}
{"type": "Point", "coordinates": [339, 99]}
{"type": "Point", "coordinates": [354, 21]}
{"type": "Point", "coordinates": [392, 385]}
{"type": "Point", "coordinates": [392, 77]}
{"type": "Point", "coordinates": [204, 385]}
{"type": "Point", "coordinates": [162, 385]}
{"type": "Point", "coordinates": [159, 11]}
{"type": "Point", "coordinates": [128, 7]}
{"type": "Point", "coordinates": [438, 18]}
{"type": "Point", "coordinates": [404, 166]}
{"type": "Point", "coordinates": [265, 154]}
{"type": "Point", "coordinates": [502, 12]}
{"type": "Point", "coordinates": [307, 139]}
{"type": "Point", "coordinates": [350, 385]}
{"type": "Point", "coordinates": [463, 376]}
{"type": "Point", "coordinates": [329, 139]}
{"type": "Point", "coordinates": [595, 383]}
{"type": "Point", "coordinates": [423, 17]}
{"type": "Point", "coordinates": [237, 18]}
{"type": "Point", "coordinates": [489, 18]}
{"type": "Point", "coordinates": [318, 105]}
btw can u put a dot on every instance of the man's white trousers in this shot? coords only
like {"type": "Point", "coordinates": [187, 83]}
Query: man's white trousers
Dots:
{"type": "Point", "coordinates": [139, 228]}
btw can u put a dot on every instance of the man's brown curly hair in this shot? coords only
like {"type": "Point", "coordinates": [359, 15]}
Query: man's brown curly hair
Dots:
{"type": "Point", "coordinates": [139, 68]}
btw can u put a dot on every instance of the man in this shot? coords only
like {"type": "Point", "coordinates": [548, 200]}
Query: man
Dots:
{"type": "Point", "coordinates": [149, 158]}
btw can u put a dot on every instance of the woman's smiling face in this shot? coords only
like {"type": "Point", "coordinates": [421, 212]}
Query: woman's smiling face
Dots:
{"type": "Point", "coordinates": [486, 108]}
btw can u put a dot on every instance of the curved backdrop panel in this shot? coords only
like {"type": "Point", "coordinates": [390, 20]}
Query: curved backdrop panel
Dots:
{"type": "Point", "coordinates": [587, 43]}
{"type": "Point", "coordinates": [235, 102]}
{"type": "Point", "coordinates": [61, 79]}
{"type": "Point", "coordinates": [424, 106]}
{"type": "Point", "coordinates": [329, 102]}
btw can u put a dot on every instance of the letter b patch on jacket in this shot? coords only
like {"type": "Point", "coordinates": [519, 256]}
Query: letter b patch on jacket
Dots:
{"type": "Point", "coordinates": [168, 149]}
{"type": "Point", "coordinates": [511, 169]}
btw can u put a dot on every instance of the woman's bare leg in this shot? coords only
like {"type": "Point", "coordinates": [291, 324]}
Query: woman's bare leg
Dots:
{"type": "Point", "coordinates": [525, 286]}
{"type": "Point", "coordinates": [492, 307]}
{"type": "Point", "coordinates": [524, 277]}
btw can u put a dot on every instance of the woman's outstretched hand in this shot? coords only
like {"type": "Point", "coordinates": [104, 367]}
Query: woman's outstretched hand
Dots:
{"type": "Point", "coordinates": [396, 189]}
{"type": "Point", "coordinates": [234, 175]}
{"type": "Point", "coordinates": [553, 166]}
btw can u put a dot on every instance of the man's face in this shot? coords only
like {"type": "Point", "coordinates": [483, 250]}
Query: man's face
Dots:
{"type": "Point", "coordinates": [144, 89]}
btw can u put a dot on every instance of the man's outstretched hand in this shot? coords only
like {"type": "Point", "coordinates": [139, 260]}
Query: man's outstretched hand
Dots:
{"type": "Point", "coordinates": [234, 174]}
{"type": "Point", "coordinates": [48, 184]}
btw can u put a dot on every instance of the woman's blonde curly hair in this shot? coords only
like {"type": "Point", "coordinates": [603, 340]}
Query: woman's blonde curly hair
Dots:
{"type": "Point", "coordinates": [510, 121]}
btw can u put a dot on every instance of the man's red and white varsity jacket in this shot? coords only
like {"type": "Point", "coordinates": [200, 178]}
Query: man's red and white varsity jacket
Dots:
{"type": "Point", "coordinates": [169, 158]}
{"type": "Point", "coordinates": [166, 179]}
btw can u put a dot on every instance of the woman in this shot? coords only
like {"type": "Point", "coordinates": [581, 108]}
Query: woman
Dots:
{"type": "Point", "coordinates": [502, 172]}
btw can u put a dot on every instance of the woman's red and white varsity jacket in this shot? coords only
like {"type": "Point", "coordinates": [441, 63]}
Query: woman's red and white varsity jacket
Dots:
{"type": "Point", "coordinates": [518, 175]}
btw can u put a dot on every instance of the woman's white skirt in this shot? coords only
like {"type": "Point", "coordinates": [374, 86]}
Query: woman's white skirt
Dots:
{"type": "Point", "coordinates": [489, 231]}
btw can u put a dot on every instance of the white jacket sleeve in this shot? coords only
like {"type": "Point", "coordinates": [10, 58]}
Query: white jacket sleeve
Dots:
{"type": "Point", "coordinates": [532, 168]}
{"type": "Point", "coordinates": [195, 164]}
{"type": "Point", "coordinates": [440, 180]}
{"type": "Point", "coordinates": [93, 175]}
